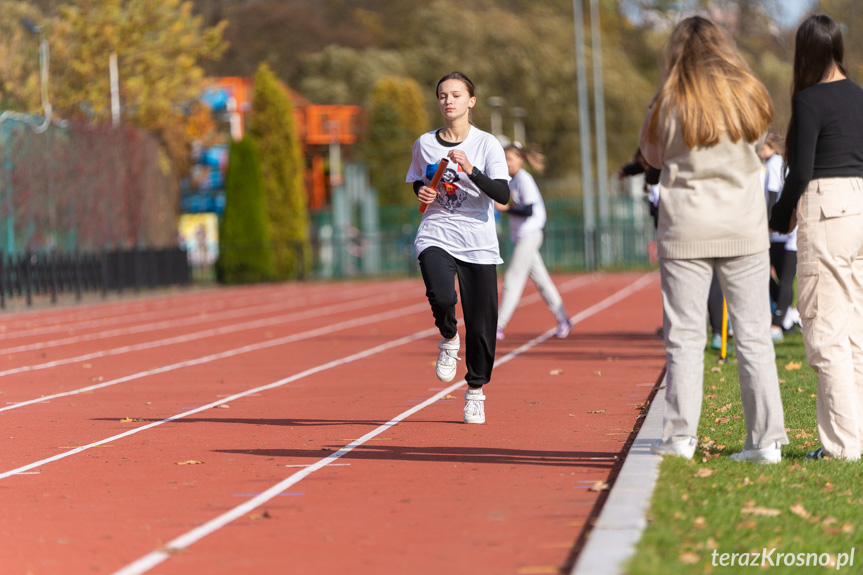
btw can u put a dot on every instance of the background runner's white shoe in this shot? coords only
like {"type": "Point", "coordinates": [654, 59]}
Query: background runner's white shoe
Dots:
{"type": "Point", "coordinates": [474, 406]}
{"type": "Point", "coordinates": [447, 359]}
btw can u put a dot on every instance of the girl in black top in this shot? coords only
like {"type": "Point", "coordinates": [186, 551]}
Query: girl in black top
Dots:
{"type": "Point", "coordinates": [823, 193]}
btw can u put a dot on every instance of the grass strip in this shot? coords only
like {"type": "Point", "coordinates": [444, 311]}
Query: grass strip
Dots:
{"type": "Point", "coordinates": [710, 505]}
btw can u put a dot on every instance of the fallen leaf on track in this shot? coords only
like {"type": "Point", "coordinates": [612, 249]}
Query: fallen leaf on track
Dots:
{"type": "Point", "coordinates": [190, 462]}
{"type": "Point", "coordinates": [597, 411]}
{"type": "Point", "coordinates": [222, 406]}
{"type": "Point", "coordinates": [598, 486]}
{"type": "Point", "coordinates": [556, 372]}
{"type": "Point", "coordinates": [264, 515]}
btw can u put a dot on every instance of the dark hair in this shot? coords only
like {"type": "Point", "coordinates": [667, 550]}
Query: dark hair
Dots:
{"type": "Point", "coordinates": [817, 49]}
{"type": "Point", "coordinates": [456, 76]}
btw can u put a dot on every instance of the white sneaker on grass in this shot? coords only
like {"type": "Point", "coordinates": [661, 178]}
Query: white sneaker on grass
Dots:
{"type": "Point", "coordinates": [684, 447]}
{"type": "Point", "coordinates": [474, 406]}
{"type": "Point", "coordinates": [447, 359]}
{"type": "Point", "coordinates": [772, 454]}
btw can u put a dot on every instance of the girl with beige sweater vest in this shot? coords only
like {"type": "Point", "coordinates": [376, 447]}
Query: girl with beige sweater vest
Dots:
{"type": "Point", "coordinates": [704, 130]}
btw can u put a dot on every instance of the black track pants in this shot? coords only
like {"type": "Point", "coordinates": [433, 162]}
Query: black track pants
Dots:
{"type": "Point", "coordinates": [478, 288]}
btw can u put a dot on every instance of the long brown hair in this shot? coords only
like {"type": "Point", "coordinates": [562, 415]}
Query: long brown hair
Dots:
{"type": "Point", "coordinates": [709, 88]}
{"type": "Point", "coordinates": [818, 47]}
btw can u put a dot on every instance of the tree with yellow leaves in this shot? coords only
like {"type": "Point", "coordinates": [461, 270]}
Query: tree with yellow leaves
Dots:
{"type": "Point", "coordinates": [159, 48]}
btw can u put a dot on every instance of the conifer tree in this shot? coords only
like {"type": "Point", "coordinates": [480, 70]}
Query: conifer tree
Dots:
{"type": "Point", "coordinates": [245, 253]}
{"type": "Point", "coordinates": [271, 127]}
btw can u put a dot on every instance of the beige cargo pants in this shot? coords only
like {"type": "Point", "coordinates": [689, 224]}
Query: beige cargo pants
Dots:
{"type": "Point", "coordinates": [830, 301]}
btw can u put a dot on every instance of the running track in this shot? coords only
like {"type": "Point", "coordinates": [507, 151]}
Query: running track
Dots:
{"type": "Point", "coordinates": [299, 429]}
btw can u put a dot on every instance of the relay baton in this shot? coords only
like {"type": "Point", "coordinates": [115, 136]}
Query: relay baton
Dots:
{"type": "Point", "coordinates": [441, 168]}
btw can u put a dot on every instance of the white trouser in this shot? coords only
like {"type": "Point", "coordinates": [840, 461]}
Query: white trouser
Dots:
{"type": "Point", "coordinates": [526, 261]}
{"type": "Point", "coordinates": [685, 285]}
{"type": "Point", "coordinates": [830, 301]}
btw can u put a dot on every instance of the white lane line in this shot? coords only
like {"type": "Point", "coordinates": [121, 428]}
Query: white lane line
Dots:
{"type": "Point", "coordinates": [154, 558]}
{"type": "Point", "coordinates": [117, 314]}
{"type": "Point", "coordinates": [208, 305]}
{"type": "Point", "coordinates": [306, 373]}
{"type": "Point", "coordinates": [572, 284]}
{"type": "Point", "coordinates": [310, 313]}
{"type": "Point", "coordinates": [197, 319]}
{"type": "Point", "coordinates": [416, 308]}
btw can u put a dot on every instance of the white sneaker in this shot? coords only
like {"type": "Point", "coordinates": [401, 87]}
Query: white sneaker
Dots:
{"type": "Point", "coordinates": [770, 454]}
{"type": "Point", "coordinates": [447, 359]}
{"type": "Point", "coordinates": [474, 406]}
{"type": "Point", "coordinates": [684, 447]}
{"type": "Point", "coordinates": [792, 318]}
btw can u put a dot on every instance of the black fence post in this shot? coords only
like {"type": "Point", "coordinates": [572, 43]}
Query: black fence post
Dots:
{"type": "Point", "coordinates": [52, 263]}
{"type": "Point", "coordinates": [3, 281]}
{"type": "Point", "coordinates": [76, 270]}
{"type": "Point", "coordinates": [103, 261]}
{"type": "Point", "coordinates": [28, 277]}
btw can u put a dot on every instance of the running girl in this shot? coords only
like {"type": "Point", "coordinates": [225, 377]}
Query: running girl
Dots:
{"type": "Point", "coordinates": [526, 222]}
{"type": "Point", "coordinates": [457, 237]}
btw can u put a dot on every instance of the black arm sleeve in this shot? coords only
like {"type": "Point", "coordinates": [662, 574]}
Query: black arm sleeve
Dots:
{"type": "Point", "coordinates": [632, 169]}
{"type": "Point", "coordinates": [498, 190]}
{"type": "Point", "coordinates": [651, 175]}
{"type": "Point", "coordinates": [417, 185]}
{"type": "Point", "coordinates": [806, 130]}
{"type": "Point", "coordinates": [521, 210]}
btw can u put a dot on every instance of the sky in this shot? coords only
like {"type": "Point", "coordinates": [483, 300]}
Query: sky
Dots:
{"type": "Point", "coordinates": [790, 13]}
{"type": "Point", "coordinates": [793, 11]}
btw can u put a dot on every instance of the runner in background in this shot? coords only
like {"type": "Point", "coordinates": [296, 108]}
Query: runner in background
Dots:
{"type": "Point", "coordinates": [457, 235]}
{"type": "Point", "coordinates": [783, 247]}
{"type": "Point", "coordinates": [526, 222]}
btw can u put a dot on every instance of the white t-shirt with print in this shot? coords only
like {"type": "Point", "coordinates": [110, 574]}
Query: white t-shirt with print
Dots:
{"type": "Point", "coordinates": [524, 192]}
{"type": "Point", "coordinates": [774, 180]}
{"type": "Point", "coordinates": [461, 219]}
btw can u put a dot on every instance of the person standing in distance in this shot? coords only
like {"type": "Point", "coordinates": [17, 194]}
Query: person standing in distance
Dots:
{"type": "Point", "coordinates": [457, 238]}
{"type": "Point", "coordinates": [823, 195]}
{"type": "Point", "coordinates": [526, 221]}
{"type": "Point", "coordinates": [783, 247]}
{"type": "Point", "coordinates": [703, 129]}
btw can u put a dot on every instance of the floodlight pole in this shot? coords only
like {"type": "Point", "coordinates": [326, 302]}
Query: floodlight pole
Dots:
{"type": "Point", "coordinates": [584, 137]}
{"type": "Point", "coordinates": [599, 119]}
{"type": "Point", "coordinates": [114, 76]}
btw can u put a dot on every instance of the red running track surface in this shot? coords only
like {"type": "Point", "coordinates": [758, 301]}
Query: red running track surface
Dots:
{"type": "Point", "coordinates": [299, 428]}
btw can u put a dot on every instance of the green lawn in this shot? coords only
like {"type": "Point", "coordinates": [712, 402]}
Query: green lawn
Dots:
{"type": "Point", "coordinates": [711, 505]}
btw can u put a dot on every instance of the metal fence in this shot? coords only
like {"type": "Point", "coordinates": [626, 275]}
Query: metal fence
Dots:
{"type": "Point", "coordinates": [626, 240]}
{"type": "Point", "coordinates": [51, 273]}
{"type": "Point", "coordinates": [83, 187]}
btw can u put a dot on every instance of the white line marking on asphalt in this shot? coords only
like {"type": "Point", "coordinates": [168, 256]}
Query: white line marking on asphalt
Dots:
{"type": "Point", "coordinates": [314, 312]}
{"type": "Point", "coordinates": [207, 318]}
{"type": "Point", "coordinates": [231, 353]}
{"type": "Point", "coordinates": [154, 558]}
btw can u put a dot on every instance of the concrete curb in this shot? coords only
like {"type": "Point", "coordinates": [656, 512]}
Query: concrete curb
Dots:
{"type": "Point", "coordinates": [612, 541]}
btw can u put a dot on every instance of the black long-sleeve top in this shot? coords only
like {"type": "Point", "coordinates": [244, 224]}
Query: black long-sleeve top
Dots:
{"type": "Point", "coordinates": [827, 142]}
{"type": "Point", "coordinates": [498, 190]}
